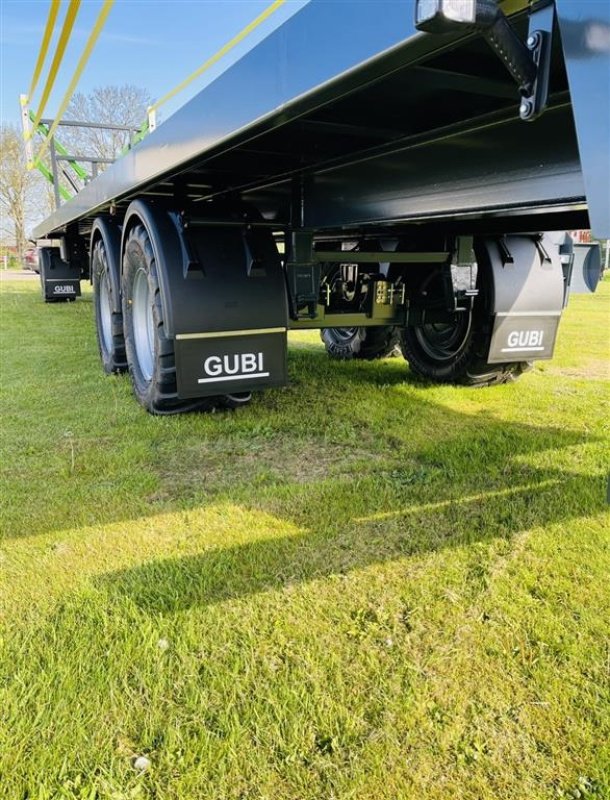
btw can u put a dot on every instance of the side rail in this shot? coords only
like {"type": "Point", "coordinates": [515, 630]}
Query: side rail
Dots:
{"type": "Point", "coordinates": [67, 172]}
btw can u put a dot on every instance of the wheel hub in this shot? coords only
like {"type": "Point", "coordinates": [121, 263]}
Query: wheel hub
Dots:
{"type": "Point", "coordinates": [143, 325]}
{"type": "Point", "coordinates": [105, 312]}
{"type": "Point", "coordinates": [443, 341]}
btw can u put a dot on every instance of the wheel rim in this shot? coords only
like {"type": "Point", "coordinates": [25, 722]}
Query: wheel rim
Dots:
{"type": "Point", "coordinates": [444, 341]}
{"type": "Point", "coordinates": [105, 312]}
{"type": "Point", "coordinates": [143, 325]}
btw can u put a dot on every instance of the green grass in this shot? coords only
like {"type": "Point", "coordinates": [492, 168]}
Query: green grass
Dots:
{"type": "Point", "coordinates": [369, 587]}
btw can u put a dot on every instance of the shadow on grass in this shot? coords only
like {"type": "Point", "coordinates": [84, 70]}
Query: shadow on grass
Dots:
{"type": "Point", "coordinates": [308, 441]}
{"type": "Point", "coordinates": [177, 584]}
{"type": "Point", "coordinates": [465, 482]}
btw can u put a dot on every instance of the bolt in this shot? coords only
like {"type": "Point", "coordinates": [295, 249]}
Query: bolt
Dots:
{"type": "Point", "coordinates": [532, 40]}
{"type": "Point", "coordinates": [525, 109]}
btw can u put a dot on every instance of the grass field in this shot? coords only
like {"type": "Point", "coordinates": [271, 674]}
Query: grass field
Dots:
{"type": "Point", "coordinates": [358, 587]}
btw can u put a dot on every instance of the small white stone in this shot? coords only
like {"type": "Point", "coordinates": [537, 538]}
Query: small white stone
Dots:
{"type": "Point", "coordinates": [163, 644]}
{"type": "Point", "coordinates": [389, 642]}
{"type": "Point", "coordinates": [141, 763]}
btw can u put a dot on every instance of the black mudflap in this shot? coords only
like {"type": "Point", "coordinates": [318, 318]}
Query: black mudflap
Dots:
{"type": "Point", "coordinates": [60, 281]}
{"type": "Point", "coordinates": [528, 291]}
{"type": "Point", "coordinates": [523, 338]}
{"type": "Point", "coordinates": [238, 361]}
{"type": "Point", "coordinates": [223, 297]}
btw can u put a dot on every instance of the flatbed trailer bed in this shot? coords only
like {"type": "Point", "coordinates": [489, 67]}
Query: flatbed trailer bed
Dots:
{"type": "Point", "coordinates": [347, 129]}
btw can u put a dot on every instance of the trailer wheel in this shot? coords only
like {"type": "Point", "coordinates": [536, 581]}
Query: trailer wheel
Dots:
{"type": "Point", "coordinates": [108, 322]}
{"type": "Point", "coordinates": [379, 341]}
{"type": "Point", "coordinates": [455, 352]}
{"type": "Point", "coordinates": [150, 353]}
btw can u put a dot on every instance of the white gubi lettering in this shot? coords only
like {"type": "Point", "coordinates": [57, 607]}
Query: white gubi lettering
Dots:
{"type": "Point", "coordinates": [233, 366]}
{"type": "Point", "coordinates": [525, 339]}
{"type": "Point", "coordinates": [249, 362]}
{"type": "Point", "coordinates": [212, 366]}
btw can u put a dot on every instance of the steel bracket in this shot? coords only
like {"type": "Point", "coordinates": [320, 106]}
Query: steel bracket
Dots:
{"type": "Point", "coordinates": [528, 63]}
{"type": "Point", "coordinates": [540, 44]}
{"type": "Point", "coordinates": [303, 274]}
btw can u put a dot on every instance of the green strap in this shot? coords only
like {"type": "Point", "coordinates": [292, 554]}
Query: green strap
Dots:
{"type": "Point", "coordinates": [44, 131]}
{"type": "Point", "coordinates": [65, 194]}
{"type": "Point", "coordinates": [138, 136]}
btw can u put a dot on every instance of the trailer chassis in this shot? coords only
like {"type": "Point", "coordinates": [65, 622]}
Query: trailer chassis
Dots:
{"type": "Point", "coordinates": [423, 227]}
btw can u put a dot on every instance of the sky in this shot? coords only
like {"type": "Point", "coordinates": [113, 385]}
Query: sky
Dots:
{"type": "Point", "coordinates": [153, 44]}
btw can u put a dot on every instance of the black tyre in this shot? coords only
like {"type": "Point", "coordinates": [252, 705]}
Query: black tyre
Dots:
{"type": "Point", "coordinates": [456, 353]}
{"type": "Point", "coordinates": [364, 343]}
{"type": "Point", "coordinates": [456, 350]}
{"type": "Point", "coordinates": [108, 321]}
{"type": "Point", "coordinates": [150, 353]}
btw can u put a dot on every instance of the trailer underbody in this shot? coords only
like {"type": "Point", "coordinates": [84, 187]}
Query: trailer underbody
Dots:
{"type": "Point", "coordinates": [353, 175]}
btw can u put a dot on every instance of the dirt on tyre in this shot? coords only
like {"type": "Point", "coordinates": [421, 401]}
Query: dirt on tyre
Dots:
{"type": "Point", "coordinates": [108, 321]}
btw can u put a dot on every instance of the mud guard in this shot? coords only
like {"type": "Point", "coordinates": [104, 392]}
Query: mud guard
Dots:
{"type": "Point", "coordinates": [528, 291]}
{"type": "Point", "coordinates": [587, 268]}
{"type": "Point", "coordinates": [223, 296]}
{"type": "Point", "coordinates": [59, 279]}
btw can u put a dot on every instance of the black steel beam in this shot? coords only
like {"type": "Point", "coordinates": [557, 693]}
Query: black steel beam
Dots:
{"type": "Point", "coordinates": [434, 78]}
{"type": "Point", "coordinates": [444, 142]}
{"type": "Point", "coordinates": [380, 256]}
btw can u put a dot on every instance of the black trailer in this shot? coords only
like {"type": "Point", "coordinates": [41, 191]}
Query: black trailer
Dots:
{"type": "Point", "coordinates": [383, 170]}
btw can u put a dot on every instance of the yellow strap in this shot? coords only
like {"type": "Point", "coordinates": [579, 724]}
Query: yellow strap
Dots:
{"type": "Point", "coordinates": [97, 29]}
{"type": "Point", "coordinates": [222, 52]}
{"type": "Point", "coordinates": [57, 59]}
{"type": "Point", "coordinates": [48, 32]}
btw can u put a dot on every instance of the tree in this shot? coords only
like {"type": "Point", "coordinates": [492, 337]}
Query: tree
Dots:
{"type": "Point", "coordinates": [18, 187]}
{"type": "Point", "coordinates": [112, 105]}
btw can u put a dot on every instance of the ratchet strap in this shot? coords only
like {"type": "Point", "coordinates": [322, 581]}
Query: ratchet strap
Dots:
{"type": "Point", "coordinates": [59, 54]}
{"type": "Point", "coordinates": [222, 52]}
{"type": "Point", "coordinates": [48, 32]}
{"type": "Point", "coordinates": [97, 29]}
{"type": "Point", "coordinates": [57, 58]}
